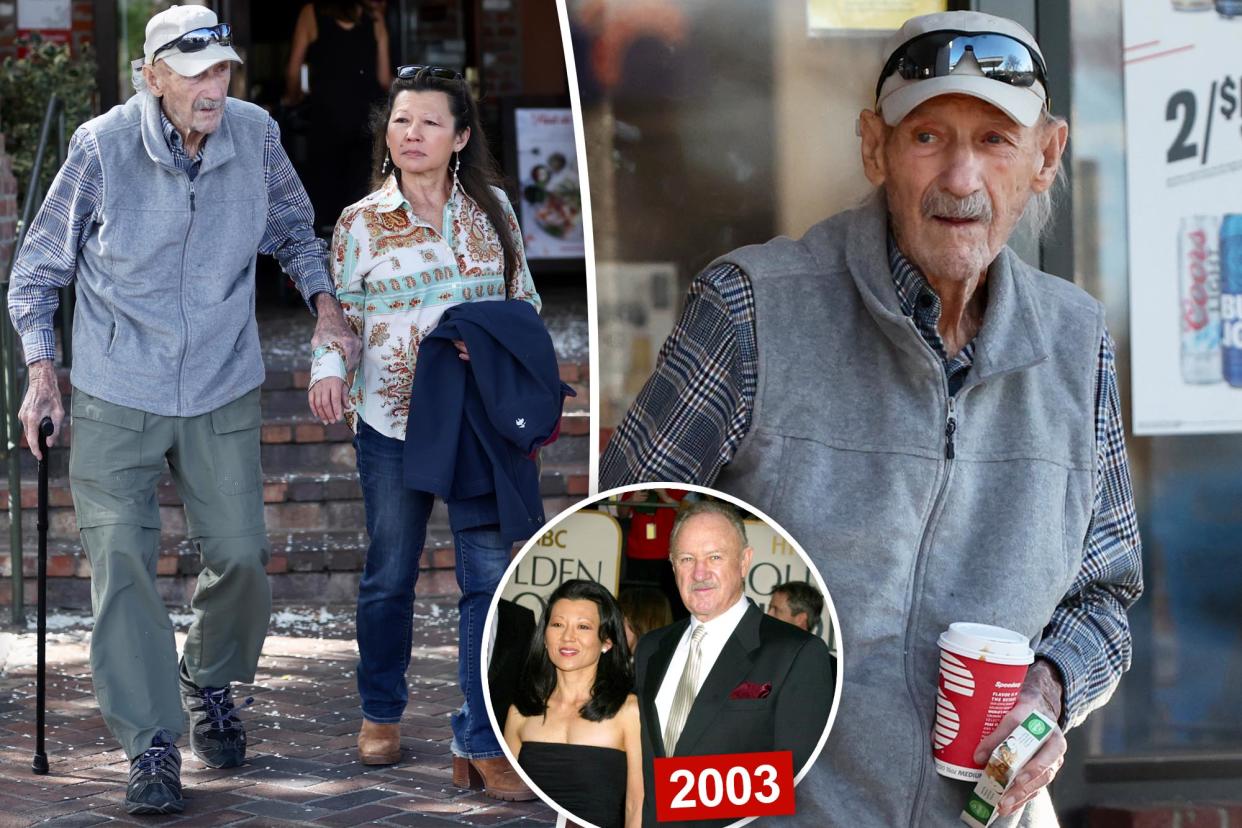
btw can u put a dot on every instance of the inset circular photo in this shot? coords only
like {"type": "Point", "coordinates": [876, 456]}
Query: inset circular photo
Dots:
{"type": "Point", "coordinates": [663, 654]}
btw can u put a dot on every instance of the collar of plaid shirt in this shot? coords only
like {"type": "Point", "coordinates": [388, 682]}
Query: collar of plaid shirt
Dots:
{"type": "Point", "coordinates": [185, 163]}
{"type": "Point", "coordinates": [921, 303]}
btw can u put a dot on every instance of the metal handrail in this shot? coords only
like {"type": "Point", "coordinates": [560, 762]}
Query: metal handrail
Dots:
{"type": "Point", "coordinates": [10, 393]}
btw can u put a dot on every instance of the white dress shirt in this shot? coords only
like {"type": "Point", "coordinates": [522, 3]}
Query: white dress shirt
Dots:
{"type": "Point", "coordinates": [718, 631]}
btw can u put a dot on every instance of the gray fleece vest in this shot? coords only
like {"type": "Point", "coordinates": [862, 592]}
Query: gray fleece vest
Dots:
{"type": "Point", "coordinates": [164, 320]}
{"type": "Point", "coordinates": [848, 451]}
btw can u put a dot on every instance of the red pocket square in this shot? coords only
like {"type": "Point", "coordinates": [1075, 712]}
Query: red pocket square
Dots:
{"type": "Point", "coordinates": [751, 690]}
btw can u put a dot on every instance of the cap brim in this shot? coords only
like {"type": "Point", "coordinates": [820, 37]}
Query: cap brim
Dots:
{"type": "Point", "coordinates": [1022, 104]}
{"type": "Point", "coordinates": [189, 64]}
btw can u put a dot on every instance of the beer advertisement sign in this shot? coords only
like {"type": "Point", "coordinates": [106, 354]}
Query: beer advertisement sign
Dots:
{"type": "Point", "coordinates": [1183, 100]}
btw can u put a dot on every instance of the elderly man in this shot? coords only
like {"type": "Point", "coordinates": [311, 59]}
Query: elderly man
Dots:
{"type": "Point", "coordinates": [797, 603]}
{"type": "Point", "coordinates": [728, 679]}
{"type": "Point", "coordinates": [939, 420]}
{"type": "Point", "coordinates": [157, 214]}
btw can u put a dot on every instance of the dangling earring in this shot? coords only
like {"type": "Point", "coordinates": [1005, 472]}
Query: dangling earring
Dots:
{"type": "Point", "coordinates": [387, 165]}
{"type": "Point", "coordinates": [456, 167]}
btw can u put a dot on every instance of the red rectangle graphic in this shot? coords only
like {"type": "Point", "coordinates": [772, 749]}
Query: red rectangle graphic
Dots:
{"type": "Point", "coordinates": [724, 786]}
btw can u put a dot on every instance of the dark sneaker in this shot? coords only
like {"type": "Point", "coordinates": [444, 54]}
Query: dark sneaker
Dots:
{"type": "Point", "coordinates": [217, 736]}
{"type": "Point", "coordinates": [155, 779]}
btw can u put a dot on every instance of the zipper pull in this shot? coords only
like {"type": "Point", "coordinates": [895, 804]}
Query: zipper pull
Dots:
{"type": "Point", "coordinates": [191, 198]}
{"type": "Point", "coordinates": [950, 427]}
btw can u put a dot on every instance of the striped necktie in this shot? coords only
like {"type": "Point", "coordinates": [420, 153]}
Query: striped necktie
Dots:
{"type": "Point", "coordinates": [687, 688]}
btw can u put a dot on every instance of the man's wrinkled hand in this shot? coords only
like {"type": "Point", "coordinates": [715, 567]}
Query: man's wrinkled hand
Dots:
{"type": "Point", "coordinates": [1040, 691]}
{"type": "Point", "coordinates": [42, 400]}
{"type": "Point", "coordinates": [332, 327]}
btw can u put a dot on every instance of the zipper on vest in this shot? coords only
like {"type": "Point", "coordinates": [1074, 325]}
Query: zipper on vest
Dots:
{"type": "Point", "coordinates": [942, 487]}
{"type": "Point", "coordinates": [950, 426]}
{"type": "Point", "coordinates": [185, 319]}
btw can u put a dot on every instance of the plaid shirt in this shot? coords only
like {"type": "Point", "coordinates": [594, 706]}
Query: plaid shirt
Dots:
{"type": "Point", "coordinates": [48, 258]}
{"type": "Point", "coordinates": [695, 409]}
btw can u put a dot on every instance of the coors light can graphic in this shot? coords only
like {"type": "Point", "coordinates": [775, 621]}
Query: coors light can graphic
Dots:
{"type": "Point", "coordinates": [1231, 298]}
{"type": "Point", "coordinates": [1198, 252]}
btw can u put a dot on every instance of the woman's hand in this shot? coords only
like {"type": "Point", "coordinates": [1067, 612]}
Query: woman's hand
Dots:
{"type": "Point", "coordinates": [327, 399]}
{"type": "Point", "coordinates": [462, 353]}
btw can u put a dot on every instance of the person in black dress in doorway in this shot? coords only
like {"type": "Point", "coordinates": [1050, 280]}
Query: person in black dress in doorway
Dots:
{"type": "Point", "coordinates": [574, 726]}
{"type": "Point", "coordinates": [344, 46]}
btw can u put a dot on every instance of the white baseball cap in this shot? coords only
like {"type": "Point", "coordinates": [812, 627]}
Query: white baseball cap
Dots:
{"type": "Point", "coordinates": [898, 96]}
{"type": "Point", "coordinates": [169, 25]}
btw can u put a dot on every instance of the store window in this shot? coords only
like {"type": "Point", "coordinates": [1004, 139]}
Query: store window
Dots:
{"type": "Point", "coordinates": [131, 26]}
{"type": "Point", "coordinates": [1180, 698]}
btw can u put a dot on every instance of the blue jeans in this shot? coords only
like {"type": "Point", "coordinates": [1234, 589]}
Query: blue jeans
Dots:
{"type": "Point", "coordinates": [397, 526]}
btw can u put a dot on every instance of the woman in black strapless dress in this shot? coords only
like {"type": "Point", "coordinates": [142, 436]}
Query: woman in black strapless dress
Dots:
{"type": "Point", "coordinates": [574, 726]}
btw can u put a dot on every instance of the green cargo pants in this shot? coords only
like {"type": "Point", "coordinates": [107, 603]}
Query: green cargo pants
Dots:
{"type": "Point", "coordinates": [115, 460]}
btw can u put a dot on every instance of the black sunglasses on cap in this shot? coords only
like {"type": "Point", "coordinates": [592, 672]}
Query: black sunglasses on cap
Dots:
{"type": "Point", "coordinates": [196, 40]}
{"type": "Point", "coordinates": [410, 70]}
{"type": "Point", "coordinates": [936, 54]}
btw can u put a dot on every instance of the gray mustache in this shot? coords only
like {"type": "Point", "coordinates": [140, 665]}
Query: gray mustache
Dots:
{"type": "Point", "coordinates": [939, 204]}
{"type": "Point", "coordinates": [208, 105]}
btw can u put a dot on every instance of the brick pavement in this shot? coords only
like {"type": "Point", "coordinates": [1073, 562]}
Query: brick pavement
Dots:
{"type": "Point", "coordinates": [302, 727]}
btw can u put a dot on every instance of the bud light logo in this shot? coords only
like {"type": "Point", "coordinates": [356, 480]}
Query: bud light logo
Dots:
{"type": "Point", "coordinates": [1231, 320]}
{"type": "Point", "coordinates": [1231, 298]}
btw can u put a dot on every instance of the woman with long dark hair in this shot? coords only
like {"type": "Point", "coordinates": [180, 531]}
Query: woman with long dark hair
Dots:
{"type": "Point", "coordinates": [436, 232]}
{"type": "Point", "coordinates": [574, 726]}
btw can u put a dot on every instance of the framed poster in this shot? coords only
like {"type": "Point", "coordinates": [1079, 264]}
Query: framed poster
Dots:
{"type": "Point", "coordinates": [50, 19]}
{"type": "Point", "coordinates": [1183, 104]}
{"type": "Point", "coordinates": [834, 16]}
{"type": "Point", "coordinates": [543, 156]}
{"type": "Point", "coordinates": [42, 15]}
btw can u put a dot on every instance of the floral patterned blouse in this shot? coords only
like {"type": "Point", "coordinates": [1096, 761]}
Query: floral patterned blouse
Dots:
{"type": "Point", "coordinates": [395, 276]}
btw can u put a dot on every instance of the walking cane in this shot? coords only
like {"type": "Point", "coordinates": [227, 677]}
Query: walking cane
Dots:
{"type": "Point", "coordinates": [39, 765]}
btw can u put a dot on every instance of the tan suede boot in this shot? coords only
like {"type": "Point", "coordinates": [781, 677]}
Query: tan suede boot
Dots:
{"type": "Point", "coordinates": [495, 776]}
{"type": "Point", "coordinates": [379, 744]}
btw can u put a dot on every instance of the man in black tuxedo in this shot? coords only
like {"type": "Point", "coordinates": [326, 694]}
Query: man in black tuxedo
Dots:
{"type": "Point", "coordinates": [728, 679]}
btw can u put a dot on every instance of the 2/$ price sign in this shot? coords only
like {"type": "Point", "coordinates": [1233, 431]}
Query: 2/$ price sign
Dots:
{"type": "Point", "coordinates": [724, 786]}
{"type": "Point", "coordinates": [1195, 123]}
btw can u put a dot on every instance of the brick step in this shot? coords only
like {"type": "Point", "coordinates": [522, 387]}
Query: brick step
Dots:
{"type": "Point", "coordinates": [338, 550]}
{"type": "Point", "coordinates": [293, 501]}
{"type": "Point", "coordinates": [284, 392]}
{"type": "Point", "coordinates": [279, 487]}
{"type": "Point", "coordinates": [302, 566]}
{"type": "Point", "coordinates": [311, 565]}
{"type": "Point", "coordinates": [281, 379]}
{"type": "Point", "coordinates": [296, 443]}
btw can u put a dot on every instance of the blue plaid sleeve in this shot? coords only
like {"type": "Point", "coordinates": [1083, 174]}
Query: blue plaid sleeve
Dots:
{"type": "Point", "coordinates": [290, 231]}
{"type": "Point", "coordinates": [48, 259]}
{"type": "Point", "coordinates": [692, 414]}
{"type": "Point", "coordinates": [1088, 638]}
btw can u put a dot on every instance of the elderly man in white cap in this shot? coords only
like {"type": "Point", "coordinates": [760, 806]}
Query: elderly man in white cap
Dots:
{"type": "Point", "coordinates": [157, 216]}
{"type": "Point", "coordinates": [938, 420]}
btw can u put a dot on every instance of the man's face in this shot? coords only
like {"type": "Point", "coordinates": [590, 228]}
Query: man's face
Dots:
{"type": "Point", "coordinates": [778, 607]}
{"type": "Point", "coordinates": [958, 173]}
{"type": "Point", "coordinates": [710, 563]}
{"type": "Point", "coordinates": [193, 104]}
